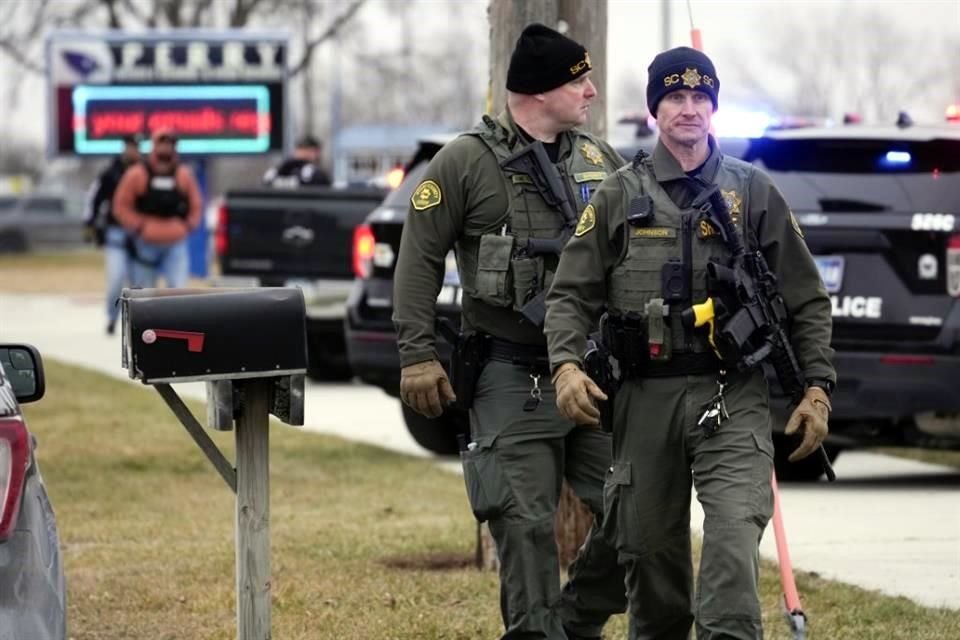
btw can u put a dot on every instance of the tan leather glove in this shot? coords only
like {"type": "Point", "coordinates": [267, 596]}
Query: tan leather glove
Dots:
{"type": "Point", "coordinates": [425, 388]}
{"type": "Point", "coordinates": [810, 417]}
{"type": "Point", "coordinates": [576, 393]}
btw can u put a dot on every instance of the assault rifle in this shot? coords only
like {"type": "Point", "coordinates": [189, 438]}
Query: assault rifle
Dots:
{"type": "Point", "coordinates": [747, 314]}
{"type": "Point", "coordinates": [533, 162]}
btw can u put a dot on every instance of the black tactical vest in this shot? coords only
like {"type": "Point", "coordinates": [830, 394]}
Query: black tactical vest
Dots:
{"type": "Point", "coordinates": [162, 198]}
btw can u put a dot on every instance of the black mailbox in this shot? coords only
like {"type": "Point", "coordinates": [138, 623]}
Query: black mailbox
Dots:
{"type": "Point", "coordinates": [182, 335]}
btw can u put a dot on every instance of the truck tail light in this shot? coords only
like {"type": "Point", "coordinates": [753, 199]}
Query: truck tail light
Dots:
{"type": "Point", "coordinates": [953, 265]}
{"type": "Point", "coordinates": [363, 248]}
{"type": "Point", "coordinates": [220, 235]}
{"type": "Point", "coordinates": [14, 458]}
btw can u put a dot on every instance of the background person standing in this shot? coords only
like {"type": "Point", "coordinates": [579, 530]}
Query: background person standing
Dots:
{"type": "Point", "coordinates": [105, 230]}
{"type": "Point", "coordinates": [300, 170]}
{"type": "Point", "coordinates": [158, 202]}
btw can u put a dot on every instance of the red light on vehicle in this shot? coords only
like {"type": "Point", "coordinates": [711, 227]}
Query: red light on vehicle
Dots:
{"type": "Point", "coordinates": [906, 359]}
{"type": "Point", "coordinates": [13, 472]}
{"type": "Point", "coordinates": [363, 245]}
{"type": "Point", "coordinates": [953, 113]}
{"type": "Point", "coordinates": [395, 177]}
{"type": "Point", "coordinates": [220, 238]}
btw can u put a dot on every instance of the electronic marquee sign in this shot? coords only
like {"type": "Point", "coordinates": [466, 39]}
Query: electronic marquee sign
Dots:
{"type": "Point", "coordinates": [222, 92]}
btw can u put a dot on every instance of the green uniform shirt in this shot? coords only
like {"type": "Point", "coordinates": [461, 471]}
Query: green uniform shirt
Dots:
{"type": "Point", "coordinates": [463, 193]}
{"type": "Point", "coordinates": [579, 291]}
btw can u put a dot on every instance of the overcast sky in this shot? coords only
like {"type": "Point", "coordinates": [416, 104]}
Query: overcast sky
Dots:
{"type": "Point", "coordinates": [732, 30]}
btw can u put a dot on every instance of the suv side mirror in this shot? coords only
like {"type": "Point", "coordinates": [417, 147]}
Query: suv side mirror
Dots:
{"type": "Point", "coordinates": [22, 365]}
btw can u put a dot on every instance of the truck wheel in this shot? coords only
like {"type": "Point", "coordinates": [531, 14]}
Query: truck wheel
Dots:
{"type": "Point", "coordinates": [807, 470]}
{"type": "Point", "coordinates": [438, 435]}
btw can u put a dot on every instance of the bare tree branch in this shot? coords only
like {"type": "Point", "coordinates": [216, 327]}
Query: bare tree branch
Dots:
{"type": "Point", "coordinates": [18, 46]}
{"type": "Point", "coordinates": [16, 52]}
{"type": "Point", "coordinates": [199, 10]}
{"type": "Point", "coordinates": [171, 9]}
{"type": "Point", "coordinates": [114, 18]}
{"type": "Point", "coordinates": [148, 21]}
{"type": "Point", "coordinates": [330, 31]}
{"type": "Point", "coordinates": [241, 12]}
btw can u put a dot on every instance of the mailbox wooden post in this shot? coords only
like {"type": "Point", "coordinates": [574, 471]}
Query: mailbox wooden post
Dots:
{"type": "Point", "coordinates": [249, 346]}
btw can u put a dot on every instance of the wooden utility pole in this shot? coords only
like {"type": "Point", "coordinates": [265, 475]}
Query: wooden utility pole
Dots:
{"type": "Point", "coordinates": [586, 22]}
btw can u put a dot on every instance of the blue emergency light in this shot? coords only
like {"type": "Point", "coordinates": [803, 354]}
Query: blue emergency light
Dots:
{"type": "Point", "coordinates": [894, 159]}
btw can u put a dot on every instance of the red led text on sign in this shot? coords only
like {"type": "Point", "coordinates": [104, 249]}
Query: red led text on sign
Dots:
{"type": "Point", "coordinates": [205, 121]}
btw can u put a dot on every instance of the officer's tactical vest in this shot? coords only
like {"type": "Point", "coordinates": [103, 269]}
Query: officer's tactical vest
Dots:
{"type": "Point", "coordinates": [162, 198]}
{"type": "Point", "coordinates": [637, 279]}
{"type": "Point", "coordinates": [493, 267]}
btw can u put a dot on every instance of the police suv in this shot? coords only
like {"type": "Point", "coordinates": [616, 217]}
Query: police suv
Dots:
{"type": "Point", "coordinates": [879, 208]}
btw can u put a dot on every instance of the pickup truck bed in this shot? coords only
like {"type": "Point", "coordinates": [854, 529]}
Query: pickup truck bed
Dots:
{"type": "Point", "coordinates": [298, 237]}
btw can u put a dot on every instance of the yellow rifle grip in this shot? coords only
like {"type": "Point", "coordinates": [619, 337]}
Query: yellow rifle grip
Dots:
{"type": "Point", "coordinates": [703, 314]}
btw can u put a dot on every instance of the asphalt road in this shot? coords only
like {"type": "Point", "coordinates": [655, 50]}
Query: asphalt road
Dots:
{"type": "Point", "coordinates": [887, 524]}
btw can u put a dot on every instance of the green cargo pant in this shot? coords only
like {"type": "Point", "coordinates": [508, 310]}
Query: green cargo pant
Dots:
{"type": "Point", "coordinates": [659, 450]}
{"type": "Point", "coordinates": [514, 475]}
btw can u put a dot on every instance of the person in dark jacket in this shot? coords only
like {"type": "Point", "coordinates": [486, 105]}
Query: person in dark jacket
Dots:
{"type": "Point", "coordinates": [103, 228]}
{"type": "Point", "coordinates": [300, 170]}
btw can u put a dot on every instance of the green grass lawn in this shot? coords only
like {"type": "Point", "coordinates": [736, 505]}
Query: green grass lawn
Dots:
{"type": "Point", "coordinates": [147, 532]}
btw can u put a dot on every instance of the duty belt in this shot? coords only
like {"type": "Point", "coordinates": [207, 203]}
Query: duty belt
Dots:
{"type": "Point", "coordinates": [526, 355]}
{"type": "Point", "coordinates": [627, 342]}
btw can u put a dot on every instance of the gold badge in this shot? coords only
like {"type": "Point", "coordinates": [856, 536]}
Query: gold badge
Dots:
{"type": "Point", "coordinates": [592, 154]}
{"type": "Point", "coordinates": [734, 201]}
{"type": "Point", "coordinates": [588, 220]}
{"type": "Point", "coordinates": [426, 195]}
{"type": "Point", "coordinates": [691, 78]}
{"type": "Point", "coordinates": [706, 230]}
{"type": "Point", "coordinates": [796, 225]}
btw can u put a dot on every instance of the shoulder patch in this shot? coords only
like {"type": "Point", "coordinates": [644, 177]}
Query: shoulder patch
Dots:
{"type": "Point", "coordinates": [426, 195]}
{"type": "Point", "coordinates": [793, 221]}
{"type": "Point", "coordinates": [588, 220]}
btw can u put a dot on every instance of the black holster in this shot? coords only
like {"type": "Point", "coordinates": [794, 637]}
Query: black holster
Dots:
{"type": "Point", "coordinates": [597, 365]}
{"type": "Point", "coordinates": [466, 361]}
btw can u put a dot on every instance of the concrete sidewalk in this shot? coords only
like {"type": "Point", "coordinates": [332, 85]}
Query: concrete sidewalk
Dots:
{"type": "Point", "coordinates": [887, 524]}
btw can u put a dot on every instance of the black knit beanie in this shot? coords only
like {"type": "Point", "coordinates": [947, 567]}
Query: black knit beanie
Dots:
{"type": "Point", "coordinates": [680, 68]}
{"type": "Point", "coordinates": [545, 59]}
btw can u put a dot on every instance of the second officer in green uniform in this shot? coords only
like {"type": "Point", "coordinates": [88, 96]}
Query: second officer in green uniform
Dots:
{"type": "Point", "coordinates": [502, 220]}
{"type": "Point", "coordinates": [640, 253]}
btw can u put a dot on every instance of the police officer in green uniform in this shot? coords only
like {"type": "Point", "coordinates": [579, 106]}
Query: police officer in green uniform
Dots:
{"type": "Point", "coordinates": [640, 253]}
{"type": "Point", "coordinates": [521, 448]}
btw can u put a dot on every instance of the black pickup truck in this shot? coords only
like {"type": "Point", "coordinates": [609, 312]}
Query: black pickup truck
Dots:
{"type": "Point", "coordinates": [880, 210]}
{"type": "Point", "coordinates": [298, 237]}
